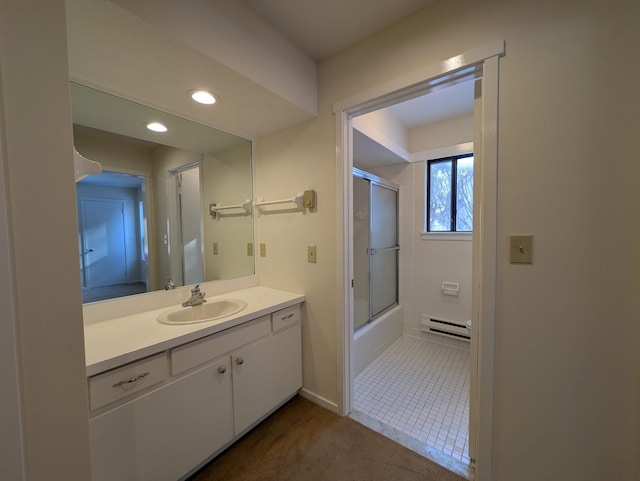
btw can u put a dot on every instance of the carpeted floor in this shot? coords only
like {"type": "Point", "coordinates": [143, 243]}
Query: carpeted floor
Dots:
{"type": "Point", "coordinates": [305, 442]}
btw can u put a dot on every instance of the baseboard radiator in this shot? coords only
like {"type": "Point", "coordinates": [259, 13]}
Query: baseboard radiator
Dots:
{"type": "Point", "coordinates": [446, 328]}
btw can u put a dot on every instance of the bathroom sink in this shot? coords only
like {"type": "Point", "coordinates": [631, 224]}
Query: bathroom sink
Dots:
{"type": "Point", "coordinates": [202, 313]}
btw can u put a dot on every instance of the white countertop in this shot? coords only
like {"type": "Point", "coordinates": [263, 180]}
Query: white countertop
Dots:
{"type": "Point", "coordinates": [114, 342]}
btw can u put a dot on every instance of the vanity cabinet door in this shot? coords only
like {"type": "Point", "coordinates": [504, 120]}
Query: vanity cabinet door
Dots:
{"type": "Point", "coordinates": [265, 373]}
{"type": "Point", "coordinates": [165, 433]}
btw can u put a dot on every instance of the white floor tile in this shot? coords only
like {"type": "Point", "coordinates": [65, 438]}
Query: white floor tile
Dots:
{"type": "Point", "coordinates": [420, 388]}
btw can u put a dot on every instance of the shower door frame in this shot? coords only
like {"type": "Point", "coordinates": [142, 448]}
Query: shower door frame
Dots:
{"type": "Point", "coordinates": [484, 59]}
{"type": "Point", "coordinates": [375, 180]}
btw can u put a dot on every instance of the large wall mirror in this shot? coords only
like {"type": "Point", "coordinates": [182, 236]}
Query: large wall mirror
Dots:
{"type": "Point", "coordinates": [146, 221]}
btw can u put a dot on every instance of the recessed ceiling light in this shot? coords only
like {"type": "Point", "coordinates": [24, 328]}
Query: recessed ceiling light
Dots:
{"type": "Point", "coordinates": [202, 97]}
{"type": "Point", "coordinates": [156, 127]}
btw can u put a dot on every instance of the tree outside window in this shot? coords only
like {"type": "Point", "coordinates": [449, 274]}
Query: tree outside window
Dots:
{"type": "Point", "coordinates": [450, 194]}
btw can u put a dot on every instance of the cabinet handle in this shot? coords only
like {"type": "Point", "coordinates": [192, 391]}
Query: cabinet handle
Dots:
{"type": "Point", "coordinates": [130, 381]}
{"type": "Point", "coordinates": [222, 369]}
{"type": "Point", "coordinates": [288, 317]}
{"type": "Point", "coordinates": [239, 360]}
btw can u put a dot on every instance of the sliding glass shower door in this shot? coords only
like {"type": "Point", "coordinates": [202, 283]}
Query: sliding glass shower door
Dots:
{"type": "Point", "coordinates": [375, 247]}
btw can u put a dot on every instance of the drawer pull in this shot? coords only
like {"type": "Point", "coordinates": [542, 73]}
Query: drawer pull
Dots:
{"type": "Point", "coordinates": [131, 381]}
{"type": "Point", "coordinates": [288, 317]}
{"type": "Point", "coordinates": [240, 361]}
{"type": "Point", "coordinates": [222, 369]}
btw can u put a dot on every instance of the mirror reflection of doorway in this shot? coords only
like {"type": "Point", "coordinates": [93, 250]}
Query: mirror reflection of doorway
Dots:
{"type": "Point", "coordinates": [104, 242]}
{"type": "Point", "coordinates": [185, 248]}
{"type": "Point", "coordinates": [111, 235]}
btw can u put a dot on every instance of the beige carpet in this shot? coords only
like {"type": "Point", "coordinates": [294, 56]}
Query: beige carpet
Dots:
{"type": "Point", "coordinates": [304, 442]}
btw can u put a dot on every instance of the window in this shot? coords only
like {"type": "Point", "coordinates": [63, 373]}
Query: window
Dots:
{"type": "Point", "coordinates": [450, 194]}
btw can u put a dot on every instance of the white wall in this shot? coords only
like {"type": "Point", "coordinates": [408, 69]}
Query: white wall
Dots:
{"type": "Point", "coordinates": [425, 263]}
{"type": "Point", "coordinates": [385, 129]}
{"type": "Point", "coordinates": [38, 157]}
{"type": "Point", "coordinates": [566, 386]}
{"type": "Point", "coordinates": [448, 132]}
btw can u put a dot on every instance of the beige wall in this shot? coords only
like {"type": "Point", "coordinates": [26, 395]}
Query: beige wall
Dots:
{"type": "Point", "coordinates": [112, 153]}
{"type": "Point", "coordinates": [38, 157]}
{"type": "Point", "coordinates": [566, 381]}
{"type": "Point", "coordinates": [226, 181]}
{"type": "Point", "coordinates": [566, 389]}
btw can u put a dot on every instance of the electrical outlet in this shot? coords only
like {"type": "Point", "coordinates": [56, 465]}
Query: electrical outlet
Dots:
{"type": "Point", "coordinates": [249, 248]}
{"type": "Point", "coordinates": [521, 249]}
{"type": "Point", "coordinates": [263, 250]}
{"type": "Point", "coordinates": [215, 248]}
{"type": "Point", "coordinates": [311, 254]}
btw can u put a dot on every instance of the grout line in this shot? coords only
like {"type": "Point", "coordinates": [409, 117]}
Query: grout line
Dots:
{"type": "Point", "coordinates": [420, 388]}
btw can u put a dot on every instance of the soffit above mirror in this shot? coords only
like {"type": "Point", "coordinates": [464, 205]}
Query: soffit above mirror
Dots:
{"type": "Point", "coordinates": [114, 50]}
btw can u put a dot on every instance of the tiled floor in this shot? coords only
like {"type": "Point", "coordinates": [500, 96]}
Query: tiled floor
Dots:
{"type": "Point", "coordinates": [421, 389]}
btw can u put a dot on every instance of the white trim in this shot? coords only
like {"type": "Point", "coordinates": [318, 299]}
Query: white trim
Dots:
{"type": "Point", "coordinates": [440, 152]}
{"type": "Point", "coordinates": [345, 275]}
{"type": "Point", "coordinates": [446, 236]}
{"type": "Point", "coordinates": [421, 79]}
{"type": "Point", "coordinates": [485, 260]}
{"type": "Point", "coordinates": [484, 241]}
{"type": "Point", "coordinates": [313, 397]}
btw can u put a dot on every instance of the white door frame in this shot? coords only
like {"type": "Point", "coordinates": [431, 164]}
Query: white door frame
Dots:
{"type": "Point", "coordinates": [485, 227]}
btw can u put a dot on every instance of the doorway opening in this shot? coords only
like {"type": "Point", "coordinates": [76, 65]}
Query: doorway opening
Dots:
{"type": "Point", "coordinates": [112, 235]}
{"type": "Point", "coordinates": [481, 66]}
{"type": "Point", "coordinates": [185, 224]}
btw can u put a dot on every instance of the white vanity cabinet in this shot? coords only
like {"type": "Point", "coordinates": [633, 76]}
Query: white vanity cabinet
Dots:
{"type": "Point", "coordinates": [264, 373]}
{"type": "Point", "coordinates": [164, 433]}
{"type": "Point", "coordinates": [159, 418]}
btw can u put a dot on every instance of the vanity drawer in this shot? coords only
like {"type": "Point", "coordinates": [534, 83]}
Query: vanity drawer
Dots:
{"type": "Point", "coordinates": [121, 382]}
{"type": "Point", "coordinates": [200, 351]}
{"type": "Point", "coordinates": [285, 317]}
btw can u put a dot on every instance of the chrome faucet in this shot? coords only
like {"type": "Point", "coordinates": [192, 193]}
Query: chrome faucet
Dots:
{"type": "Point", "coordinates": [196, 298]}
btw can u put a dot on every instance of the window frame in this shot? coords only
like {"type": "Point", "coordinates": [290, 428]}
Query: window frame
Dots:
{"type": "Point", "coordinates": [454, 197]}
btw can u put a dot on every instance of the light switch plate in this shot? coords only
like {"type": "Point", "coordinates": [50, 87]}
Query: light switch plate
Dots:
{"type": "Point", "coordinates": [249, 248]}
{"type": "Point", "coordinates": [311, 254]}
{"type": "Point", "coordinates": [263, 249]}
{"type": "Point", "coordinates": [521, 249]}
{"type": "Point", "coordinates": [215, 248]}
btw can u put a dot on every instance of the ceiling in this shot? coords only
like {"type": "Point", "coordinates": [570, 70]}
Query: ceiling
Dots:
{"type": "Point", "coordinates": [321, 28]}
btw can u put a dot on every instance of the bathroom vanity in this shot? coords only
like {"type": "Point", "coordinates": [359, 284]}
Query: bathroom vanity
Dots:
{"type": "Point", "coordinates": [165, 399]}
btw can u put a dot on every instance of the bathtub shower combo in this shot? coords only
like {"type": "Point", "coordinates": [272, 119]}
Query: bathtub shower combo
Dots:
{"type": "Point", "coordinates": [413, 390]}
